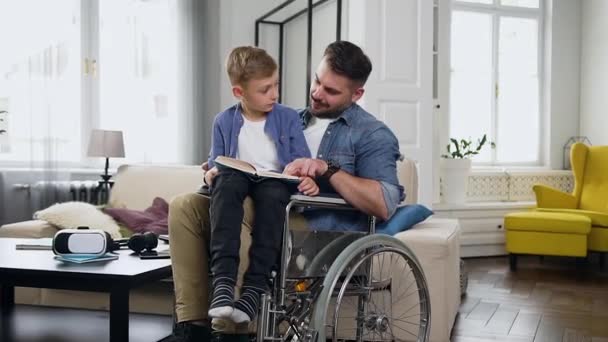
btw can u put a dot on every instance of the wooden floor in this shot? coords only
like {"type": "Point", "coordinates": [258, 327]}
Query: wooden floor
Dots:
{"type": "Point", "coordinates": [551, 300]}
{"type": "Point", "coordinates": [44, 324]}
{"type": "Point", "coordinates": [556, 300]}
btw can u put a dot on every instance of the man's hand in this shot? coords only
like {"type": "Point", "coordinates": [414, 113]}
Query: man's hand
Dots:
{"type": "Point", "coordinates": [306, 167]}
{"type": "Point", "coordinates": [205, 166]}
{"type": "Point", "coordinates": [308, 186]}
{"type": "Point", "coordinates": [209, 175]}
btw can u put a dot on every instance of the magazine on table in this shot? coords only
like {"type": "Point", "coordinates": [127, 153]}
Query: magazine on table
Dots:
{"type": "Point", "coordinates": [86, 258]}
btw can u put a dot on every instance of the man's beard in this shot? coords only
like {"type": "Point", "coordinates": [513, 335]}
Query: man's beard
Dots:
{"type": "Point", "coordinates": [327, 113]}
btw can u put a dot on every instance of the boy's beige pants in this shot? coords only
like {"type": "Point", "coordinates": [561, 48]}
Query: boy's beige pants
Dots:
{"type": "Point", "coordinates": [189, 235]}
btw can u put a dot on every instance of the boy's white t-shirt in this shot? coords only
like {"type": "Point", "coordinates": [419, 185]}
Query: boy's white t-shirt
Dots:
{"type": "Point", "coordinates": [256, 147]}
{"type": "Point", "coordinates": [314, 134]}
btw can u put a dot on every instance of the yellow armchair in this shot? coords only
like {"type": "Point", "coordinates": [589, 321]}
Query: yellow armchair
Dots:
{"type": "Point", "coordinates": [548, 197]}
{"type": "Point", "coordinates": [589, 197]}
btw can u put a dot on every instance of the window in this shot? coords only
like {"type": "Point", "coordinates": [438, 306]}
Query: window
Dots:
{"type": "Point", "coordinates": [138, 82]}
{"type": "Point", "coordinates": [495, 81]}
{"type": "Point", "coordinates": [78, 64]}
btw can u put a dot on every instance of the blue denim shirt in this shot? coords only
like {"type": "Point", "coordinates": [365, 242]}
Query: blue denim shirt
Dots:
{"type": "Point", "coordinates": [364, 147]}
{"type": "Point", "coordinates": [283, 126]}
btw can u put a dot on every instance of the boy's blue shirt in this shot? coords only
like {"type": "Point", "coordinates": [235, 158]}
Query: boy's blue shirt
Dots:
{"type": "Point", "coordinates": [283, 125]}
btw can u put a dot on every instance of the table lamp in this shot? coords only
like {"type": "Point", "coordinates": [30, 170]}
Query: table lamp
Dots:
{"type": "Point", "coordinates": [107, 144]}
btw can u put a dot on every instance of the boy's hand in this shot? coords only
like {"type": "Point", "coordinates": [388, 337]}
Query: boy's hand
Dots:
{"type": "Point", "coordinates": [308, 186]}
{"type": "Point", "coordinates": [209, 175]}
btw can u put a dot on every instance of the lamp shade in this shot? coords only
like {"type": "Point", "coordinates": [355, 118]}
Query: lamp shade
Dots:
{"type": "Point", "coordinates": [106, 144]}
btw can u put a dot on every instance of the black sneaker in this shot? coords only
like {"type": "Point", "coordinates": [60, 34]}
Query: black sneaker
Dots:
{"type": "Point", "coordinates": [188, 332]}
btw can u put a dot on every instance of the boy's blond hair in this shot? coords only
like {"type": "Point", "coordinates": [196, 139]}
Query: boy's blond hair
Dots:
{"type": "Point", "coordinates": [245, 63]}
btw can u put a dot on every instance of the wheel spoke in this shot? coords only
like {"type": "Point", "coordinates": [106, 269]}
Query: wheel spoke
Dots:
{"type": "Point", "coordinates": [362, 283]}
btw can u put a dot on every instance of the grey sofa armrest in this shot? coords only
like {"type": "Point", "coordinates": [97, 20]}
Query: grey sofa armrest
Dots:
{"type": "Point", "coordinates": [28, 229]}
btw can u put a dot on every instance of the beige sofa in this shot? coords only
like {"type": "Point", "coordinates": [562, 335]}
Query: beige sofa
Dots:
{"type": "Point", "coordinates": [434, 241]}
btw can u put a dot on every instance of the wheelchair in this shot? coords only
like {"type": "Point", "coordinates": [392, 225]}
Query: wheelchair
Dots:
{"type": "Point", "coordinates": [344, 286]}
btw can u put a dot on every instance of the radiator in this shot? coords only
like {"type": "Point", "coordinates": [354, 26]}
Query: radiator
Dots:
{"type": "Point", "coordinates": [23, 193]}
{"type": "Point", "coordinates": [63, 191]}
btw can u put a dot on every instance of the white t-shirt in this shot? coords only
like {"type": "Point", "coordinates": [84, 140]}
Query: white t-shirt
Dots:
{"type": "Point", "coordinates": [257, 148]}
{"type": "Point", "coordinates": [314, 134]}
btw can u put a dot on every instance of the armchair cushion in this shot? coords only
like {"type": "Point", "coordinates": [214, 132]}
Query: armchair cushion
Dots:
{"type": "Point", "coordinates": [404, 218]}
{"type": "Point", "coordinates": [75, 214]}
{"type": "Point", "coordinates": [547, 197]}
{"type": "Point", "coordinates": [547, 222]}
{"type": "Point", "coordinates": [597, 218]}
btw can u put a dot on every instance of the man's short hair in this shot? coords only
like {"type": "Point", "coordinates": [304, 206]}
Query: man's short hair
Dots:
{"type": "Point", "coordinates": [347, 59]}
{"type": "Point", "coordinates": [245, 63]}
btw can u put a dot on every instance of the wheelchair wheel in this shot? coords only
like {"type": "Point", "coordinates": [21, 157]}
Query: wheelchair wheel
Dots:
{"type": "Point", "coordinates": [374, 291]}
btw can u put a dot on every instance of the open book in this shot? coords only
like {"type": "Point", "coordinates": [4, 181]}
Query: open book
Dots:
{"type": "Point", "coordinates": [243, 166]}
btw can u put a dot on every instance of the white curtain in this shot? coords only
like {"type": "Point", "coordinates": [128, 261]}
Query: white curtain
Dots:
{"type": "Point", "coordinates": [40, 100]}
{"type": "Point", "coordinates": [151, 78]}
{"type": "Point", "coordinates": [131, 65]}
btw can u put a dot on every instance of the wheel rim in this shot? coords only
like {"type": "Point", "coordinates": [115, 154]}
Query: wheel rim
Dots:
{"type": "Point", "coordinates": [364, 305]}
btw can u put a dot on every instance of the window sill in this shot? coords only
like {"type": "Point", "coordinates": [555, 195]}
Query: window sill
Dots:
{"type": "Point", "coordinates": [517, 170]}
{"type": "Point", "coordinates": [487, 205]}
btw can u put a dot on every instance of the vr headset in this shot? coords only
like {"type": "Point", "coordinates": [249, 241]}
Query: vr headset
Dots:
{"type": "Point", "coordinates": [98, 242]}
{"type": "Point", "coordinates": [83, 241]}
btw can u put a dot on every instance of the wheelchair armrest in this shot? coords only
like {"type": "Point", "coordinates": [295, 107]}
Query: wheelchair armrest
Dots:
{"type": "Point", "coordinates": [318, 199]}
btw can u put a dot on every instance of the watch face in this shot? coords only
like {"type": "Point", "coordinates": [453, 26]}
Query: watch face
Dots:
{"type": "Point", "coordinates": [333, 164]}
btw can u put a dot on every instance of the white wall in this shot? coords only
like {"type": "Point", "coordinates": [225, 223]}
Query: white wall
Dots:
{"type": "Point", "coordinates": [594, 72]}
{"type": "Point", "coordinates": [323, 33]}
{"type": "Point", "coordinates": [562, 102]}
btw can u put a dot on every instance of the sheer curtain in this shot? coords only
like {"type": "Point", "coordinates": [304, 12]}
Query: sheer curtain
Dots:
{"type": "Point", "coordinates": [148, 71]}
{"type": "Point", "coordinates": [67, 66]}
{"type": "Point", "coordinates": [40, 94]}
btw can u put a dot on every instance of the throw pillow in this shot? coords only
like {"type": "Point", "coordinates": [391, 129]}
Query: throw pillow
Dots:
{"type": "Point", "coordinates": [76, 214]}
{"type": "Point", "coordinates": [404, 218]}
{"type": "Point", "coordinates": [153, 219]}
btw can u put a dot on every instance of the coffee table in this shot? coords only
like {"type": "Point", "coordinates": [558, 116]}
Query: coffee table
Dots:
{"type": "Point", "coordinates": [39, 269]}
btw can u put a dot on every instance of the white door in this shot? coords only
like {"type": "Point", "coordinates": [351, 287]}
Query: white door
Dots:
{"type": "Point", "coordinates": [398, 37]}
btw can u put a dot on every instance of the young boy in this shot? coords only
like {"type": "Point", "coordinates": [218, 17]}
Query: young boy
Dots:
{"type": "Point", "coordinates": [268, 135]}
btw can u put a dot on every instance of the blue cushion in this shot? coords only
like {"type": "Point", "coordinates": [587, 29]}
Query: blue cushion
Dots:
{"type": "Point", "coordinates": [404, 218]}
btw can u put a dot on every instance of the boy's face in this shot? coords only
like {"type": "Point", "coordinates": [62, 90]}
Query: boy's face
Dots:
{"type": "Point", "coordinates": [331, 93]}
{"type": "Point", "coordinates": [260, 94]}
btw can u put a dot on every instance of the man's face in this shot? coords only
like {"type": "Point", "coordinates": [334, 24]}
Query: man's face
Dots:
{"type": "Point", "coordinates": [330, 93]}
{"type": "Point", "coordinates": [260, 94]}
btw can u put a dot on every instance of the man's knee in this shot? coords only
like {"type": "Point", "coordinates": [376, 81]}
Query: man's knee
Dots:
{"type": "Point", "coordinates": [187, 202]}
{"type": "Point", "coordinates": [188, 210]}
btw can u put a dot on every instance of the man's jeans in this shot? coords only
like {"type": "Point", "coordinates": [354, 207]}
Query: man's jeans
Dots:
{"type": "Point", "coordinates": [270, 197]}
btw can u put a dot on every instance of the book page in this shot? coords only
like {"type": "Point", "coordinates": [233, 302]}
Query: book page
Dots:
{"type": "Point", "coordinates": [272, 174]}
{"type": "Point", "coordinates": [244, 166]}
{"type": "Point", "coordinates": [235, 164]}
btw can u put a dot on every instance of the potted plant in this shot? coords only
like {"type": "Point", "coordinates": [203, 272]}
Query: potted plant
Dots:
{"type": "Point", "coordinates": [456, 167]}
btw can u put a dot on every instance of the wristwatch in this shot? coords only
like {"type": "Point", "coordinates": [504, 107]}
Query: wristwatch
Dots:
{"type": "Point", "coordinates": [332, 167]}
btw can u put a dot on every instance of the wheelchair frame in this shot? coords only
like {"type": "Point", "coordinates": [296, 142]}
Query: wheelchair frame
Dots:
{"type": "Point", "coordinates": [303, 314]}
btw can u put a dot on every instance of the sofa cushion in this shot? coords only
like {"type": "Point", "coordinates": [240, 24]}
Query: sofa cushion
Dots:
{"type": "Point", "coordinates": [76, 214]}
{"type": "Point", "coordinates": [135, 186]}
{"type": "Point", "coordinates": [28, 229]}
{"type": "Point", "coordinates": [404, 218]}
{"type": "Point", "coordinates": [153, 219]}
